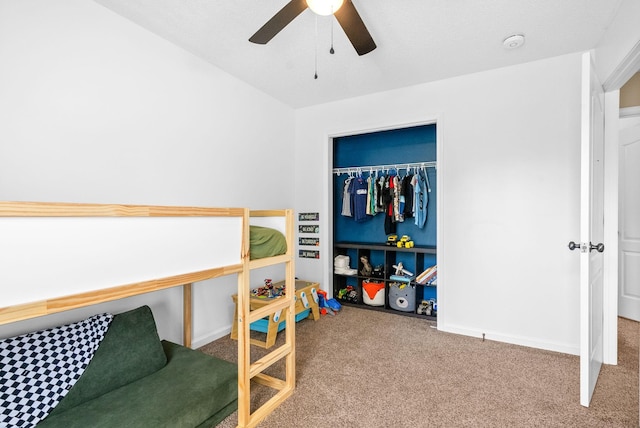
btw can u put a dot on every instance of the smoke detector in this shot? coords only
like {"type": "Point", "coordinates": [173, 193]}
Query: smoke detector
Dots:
{"type": "Point", "coordinates": [513, 42]}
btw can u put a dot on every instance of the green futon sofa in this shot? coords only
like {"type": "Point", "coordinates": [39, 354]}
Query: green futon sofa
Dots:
{"type": "Point", "coordinates": [137, 380]}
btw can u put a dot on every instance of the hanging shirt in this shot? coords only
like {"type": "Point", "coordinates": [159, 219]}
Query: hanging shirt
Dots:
{"type": "Point", "coordinates": [408, 193]}
{"type": "Point", "coordinates": [398, 205]}
{"type": "Point", "coordinates": [380, 187]}
{"type": "Point", "coordinates": [346, 199]}
{"type": "Point", "coordinates": [414, 183]}
{"type": "Point", "coordinates": [371, 197]}
{"type": "Point", "coordinates": [422, 199]}
{"type": "Point", "coordinates": [359, 197]}
{"type": "Point", "coordinates": [389, 217]}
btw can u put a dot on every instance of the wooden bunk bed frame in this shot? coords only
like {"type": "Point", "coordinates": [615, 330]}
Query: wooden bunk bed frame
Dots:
{"type": "Point", "coordinates": [247, 371]}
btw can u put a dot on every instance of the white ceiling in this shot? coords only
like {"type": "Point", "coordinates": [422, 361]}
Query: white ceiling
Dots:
{"type": "Point", "coordinates": [418, 40]}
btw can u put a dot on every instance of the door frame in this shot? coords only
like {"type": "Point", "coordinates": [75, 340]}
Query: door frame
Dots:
{"type": "Point", "coordinates": [623, 72]}
{"type": "Point", "coordinates": [327, 234]}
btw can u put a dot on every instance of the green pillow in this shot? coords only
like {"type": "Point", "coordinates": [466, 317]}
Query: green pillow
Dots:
{"type": "Point", "coordinates": [265, 242]}
{"type": "Point", "coordinates": [130, 350]}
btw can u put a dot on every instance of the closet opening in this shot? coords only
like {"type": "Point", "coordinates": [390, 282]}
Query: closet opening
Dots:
{"type": "Point", "coordinates": [384, 220]}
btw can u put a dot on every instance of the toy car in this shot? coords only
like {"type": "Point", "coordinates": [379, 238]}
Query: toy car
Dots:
{"type": "Point", "coordinates": [425, 308]}
{"type": "Point", "coordinates": [405, 242]}
{"type": "Point", "coordinates": [391, 240]}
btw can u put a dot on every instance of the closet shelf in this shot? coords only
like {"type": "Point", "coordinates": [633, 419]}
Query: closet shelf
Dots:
{"type": "Point", "coordinates": [425, 249]}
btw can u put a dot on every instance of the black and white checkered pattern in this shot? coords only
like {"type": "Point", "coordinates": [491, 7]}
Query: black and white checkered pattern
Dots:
{"type": "Point", "coordinates": [38, 369]}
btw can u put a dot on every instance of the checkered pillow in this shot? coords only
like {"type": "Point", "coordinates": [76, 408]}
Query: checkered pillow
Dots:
{"type": "Point", "coordinates": [39, 368]}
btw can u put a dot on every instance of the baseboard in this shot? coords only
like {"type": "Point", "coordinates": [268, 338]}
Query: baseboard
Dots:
{"type": "Point", "coordinates": [514, 340]}
{"type": "Point", "coordinates": [210, 337]}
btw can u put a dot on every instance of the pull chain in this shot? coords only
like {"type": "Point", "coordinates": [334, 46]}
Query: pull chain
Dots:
{"type": "Point", "coordinates": [315, 76]}
{"type": "Point", "coordinates": [331, 51]}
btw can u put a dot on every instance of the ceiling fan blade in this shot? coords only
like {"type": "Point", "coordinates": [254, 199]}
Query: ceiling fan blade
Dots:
{"type": "Point", "coordinates": [354, 28]}
{"type": "Point", "coordinates": [280, 20]}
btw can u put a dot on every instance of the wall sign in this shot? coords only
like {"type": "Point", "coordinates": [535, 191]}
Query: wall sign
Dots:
{"type": "Point", "coordinates": [309, 228]}
{"type": "Point", "coordinates": [309, 254]}
{"type": "Point", "coordinates": [308, 216]}
{"type": "Point", "coordinates": [309, 241]}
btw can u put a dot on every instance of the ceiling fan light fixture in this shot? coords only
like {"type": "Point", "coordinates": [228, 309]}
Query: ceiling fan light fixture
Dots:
{"type": "Point", "coordinates": [324, 7]}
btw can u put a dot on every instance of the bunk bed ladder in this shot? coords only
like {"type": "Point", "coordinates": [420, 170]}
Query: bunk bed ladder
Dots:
{"type": "Point", "coordinates": [248, 371]}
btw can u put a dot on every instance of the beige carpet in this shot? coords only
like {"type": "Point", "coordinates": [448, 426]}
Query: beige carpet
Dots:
{"type": "Point", "coordinates": [369, 369]}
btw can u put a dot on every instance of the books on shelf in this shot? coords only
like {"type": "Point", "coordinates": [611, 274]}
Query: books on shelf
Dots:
{"type": "Point", "coordinates": [429, 276]}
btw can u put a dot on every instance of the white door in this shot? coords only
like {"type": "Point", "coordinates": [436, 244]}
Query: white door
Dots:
{"type": "Point", "coordinates": [591, 231]}
{"type": "Point", "coordinates": [629, 224]}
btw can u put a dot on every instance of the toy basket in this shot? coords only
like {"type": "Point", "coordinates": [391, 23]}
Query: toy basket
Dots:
{"type": "Point", "coordinates": [373, 293]}
{"type": "Point", "coordinates": [402, 297]}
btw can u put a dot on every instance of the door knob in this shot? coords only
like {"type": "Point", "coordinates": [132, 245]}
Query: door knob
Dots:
{"type": "Point", "coordinates": [599, 247]}
{"type": "Point", "coordinates": [573, 245]}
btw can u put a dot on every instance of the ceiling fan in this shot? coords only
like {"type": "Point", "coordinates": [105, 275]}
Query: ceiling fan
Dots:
{"type": "Point", "coordinates": [344, 11]}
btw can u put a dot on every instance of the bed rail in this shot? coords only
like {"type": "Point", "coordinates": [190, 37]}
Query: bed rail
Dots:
{"type": "Point", "coordinates": [63, 302]}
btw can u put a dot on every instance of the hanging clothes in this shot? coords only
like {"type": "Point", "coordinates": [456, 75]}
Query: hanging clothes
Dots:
{"type": "Point", "coordinates": [359, 193]}
{"type": "Point", "coordinates": [373, 194]}
{"type": "Point", "coordinates": [389, 218]}
{"type": "Point", "coordinates": [408, 194]}
{"type": "Point", "coordinates": [346, 199]}
{"type": "Point", "coordinates": [398, 203]}
{"type": "Point", "coordinates": [421, 199]}
{"type": "Point", "coordinates": [380, 198]}
{"type": "Point", "coordinates": [369, 195]}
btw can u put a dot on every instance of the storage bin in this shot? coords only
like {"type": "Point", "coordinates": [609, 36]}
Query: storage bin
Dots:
{"type": "Point", "coordinates": [373, 293]}
{"type": "Point", "coordinates": [402, 297]}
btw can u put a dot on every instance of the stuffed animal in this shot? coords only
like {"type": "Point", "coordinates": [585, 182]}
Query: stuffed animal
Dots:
{"type": "Point", "coordinates": [366, 270]}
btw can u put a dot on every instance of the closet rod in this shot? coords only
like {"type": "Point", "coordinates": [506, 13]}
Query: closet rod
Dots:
{"type": "Point", "coordinates": [396, 166]}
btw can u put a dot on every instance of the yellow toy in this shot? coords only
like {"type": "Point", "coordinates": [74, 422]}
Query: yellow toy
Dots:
{"type": "Point", "coordinates": [391, 239]}
{"type": "Point", "coordinates": [405, 242]}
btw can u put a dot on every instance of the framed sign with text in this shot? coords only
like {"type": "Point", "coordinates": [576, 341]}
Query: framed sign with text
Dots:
{"type": "Point", "coordinates": [309, 241]}
{"type": "Point", "coordinates": [309, 254]}
{"type": "Point", "coordinates": [309, 228]}
{"type": "Point", "coordinates": [308, 216]}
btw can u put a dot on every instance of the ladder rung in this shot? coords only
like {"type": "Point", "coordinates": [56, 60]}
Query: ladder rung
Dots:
{"type": "Point", "coordinates": [269, 309]}
{"type": "Point", "coordinates": [270, 381]}
{"type": "Point", "coordinates": [268, 360]}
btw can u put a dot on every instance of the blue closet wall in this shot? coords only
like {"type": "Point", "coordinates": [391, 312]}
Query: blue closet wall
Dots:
{"type": "Point", "coordinates": [398, 146]}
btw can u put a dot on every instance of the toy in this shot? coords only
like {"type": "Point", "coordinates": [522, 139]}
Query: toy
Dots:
{"type": "Point", "coordinates": [366, 270]}
{"type": "Point", "coordinates": [425, 308]}
{"type": "Point", "coordinates": [378, 271]}
{"type": "Point", "coordinates": [428, 308]}
{"type": "Point", "coordinates": [333, 304]}
{"type": "Point", "coordinates": [327, 306]}
{"type": "Point", "coordinates": [268, 291]}
{"type": "Point", "coordinates": [391, 240]}
{"type": "Point", "coordinates": [405, 242]}
{"type": "Point", "coordinates": [348, 294]}
{"type": "Point", "coordinates": [400, 270]}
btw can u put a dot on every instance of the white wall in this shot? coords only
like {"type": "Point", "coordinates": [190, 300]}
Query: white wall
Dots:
{"type": "Point", "coordinates": [96, 109]}
{"type": "Point", "coordinates": [509, 171]}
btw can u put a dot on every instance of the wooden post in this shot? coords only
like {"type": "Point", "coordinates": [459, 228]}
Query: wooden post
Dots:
{"type": "Point", "coordinates": [186, 313]}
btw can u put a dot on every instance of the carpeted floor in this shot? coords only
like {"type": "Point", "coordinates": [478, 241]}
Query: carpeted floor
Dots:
{"type": "Point", "coordinates": [370, 369]}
